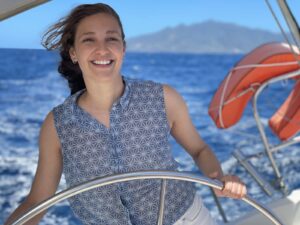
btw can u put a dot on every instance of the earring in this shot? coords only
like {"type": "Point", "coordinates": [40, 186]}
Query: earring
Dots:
{"type": "Point", "coordinates": [74, 61]}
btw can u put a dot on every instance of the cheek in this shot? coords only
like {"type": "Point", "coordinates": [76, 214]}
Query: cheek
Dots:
{"type": "Point", "coordinates": [82, 53]}
{"type": "Point", "coordinates": [120, 52]}
{"type": "Point", "coordinates": [117, 47]}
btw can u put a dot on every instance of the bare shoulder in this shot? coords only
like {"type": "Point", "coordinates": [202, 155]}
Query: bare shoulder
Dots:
{"type": "Point", "coordinates": [48, 132]}
{"type": "Point", "coordinates": [49, 120]}
{"type": "Point", "coordinates": [171, 94]}
{"type": "Point", "coordinates": [173, 99]}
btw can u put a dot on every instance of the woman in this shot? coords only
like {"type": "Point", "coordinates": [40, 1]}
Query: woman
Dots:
{"type": "Point", "coordinates": [111, 124]}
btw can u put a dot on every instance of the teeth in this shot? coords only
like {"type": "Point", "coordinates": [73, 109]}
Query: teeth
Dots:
{"type": "Point", "coordinates": [102, 62]}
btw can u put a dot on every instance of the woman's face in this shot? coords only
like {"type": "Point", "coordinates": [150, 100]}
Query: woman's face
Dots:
{"type": "Point", "coordinates": [98, 47]}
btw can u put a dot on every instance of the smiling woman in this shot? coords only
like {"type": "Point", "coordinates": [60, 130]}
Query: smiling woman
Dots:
{"type": "Point", "coordinates": [111, 124]}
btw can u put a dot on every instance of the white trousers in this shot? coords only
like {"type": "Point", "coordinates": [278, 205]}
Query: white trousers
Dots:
{"type": "Point", "coordinates": [197, 214]}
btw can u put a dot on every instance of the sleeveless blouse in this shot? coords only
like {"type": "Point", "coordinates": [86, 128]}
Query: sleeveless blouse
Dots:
{"type": "Point", "coordinates": [137, 139]}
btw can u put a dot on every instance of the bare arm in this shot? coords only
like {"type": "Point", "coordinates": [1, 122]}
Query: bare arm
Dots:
{"type": "Point", "coordinates": [48, 172]}
{"type": "Point", "coordinates": [183, 130]}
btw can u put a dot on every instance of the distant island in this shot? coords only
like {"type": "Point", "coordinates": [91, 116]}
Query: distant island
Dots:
{"type": "Point", "coordinates": [207, 37]}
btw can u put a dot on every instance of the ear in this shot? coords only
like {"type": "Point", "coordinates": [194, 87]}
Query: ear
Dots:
{"type": "Point", "coordinates": [73, 55]}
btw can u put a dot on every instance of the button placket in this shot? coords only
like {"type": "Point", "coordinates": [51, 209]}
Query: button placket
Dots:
{"type": "Point", "coordinates": [113, 137]}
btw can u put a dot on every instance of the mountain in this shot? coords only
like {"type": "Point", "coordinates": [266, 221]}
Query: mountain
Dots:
{"type": "Point", "coordinates": [206, 37]}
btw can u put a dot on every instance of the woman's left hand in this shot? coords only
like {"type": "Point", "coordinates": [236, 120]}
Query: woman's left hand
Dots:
{"type": "Point", "coordinates": [233, 187]}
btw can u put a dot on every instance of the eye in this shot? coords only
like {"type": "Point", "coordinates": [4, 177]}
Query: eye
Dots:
{"type": "Point", "coordinates": [112, 39]}
{"type": "Point", "coordinates": [87, 40]}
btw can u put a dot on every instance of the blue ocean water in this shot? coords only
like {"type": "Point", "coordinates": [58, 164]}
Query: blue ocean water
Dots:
{"type": "Point", "coordinates": [30, 87]}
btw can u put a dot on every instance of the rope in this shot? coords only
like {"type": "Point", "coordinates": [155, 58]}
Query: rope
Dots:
{"type": "Point", "coordinates": [252, 88]}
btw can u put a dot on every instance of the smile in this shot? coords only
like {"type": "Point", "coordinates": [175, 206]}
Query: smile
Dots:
{"type": "Point", "coordinates": [102, 62]}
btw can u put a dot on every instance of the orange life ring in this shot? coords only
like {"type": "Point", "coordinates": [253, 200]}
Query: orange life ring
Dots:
{"type": "Point", "coordinates": [261, 64]}
{"type": "Point", "coordinates": [285, 123]}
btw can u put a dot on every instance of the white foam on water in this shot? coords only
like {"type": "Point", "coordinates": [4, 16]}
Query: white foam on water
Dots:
{"type": "Point", "coordinates": [193, 90]}
{"type": "Point", "coordinates": [17, 174]}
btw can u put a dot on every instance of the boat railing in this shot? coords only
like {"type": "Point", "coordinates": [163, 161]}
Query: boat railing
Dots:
{"type": "Point", "coordinates": [268, 148]}
{"type": "Point", "coordinates": [164, 175]}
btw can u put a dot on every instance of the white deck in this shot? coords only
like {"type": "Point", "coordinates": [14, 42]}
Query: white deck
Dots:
{"type": "Point", "coordinates": [287, 209]}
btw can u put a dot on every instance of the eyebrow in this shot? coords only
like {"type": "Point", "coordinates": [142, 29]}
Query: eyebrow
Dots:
{"type": "Point", "coordinates": [107, 32]}
{"type": "Point", "coordinates": [113, 32]}
{"type": "Point", "coordinates": [87, 33]}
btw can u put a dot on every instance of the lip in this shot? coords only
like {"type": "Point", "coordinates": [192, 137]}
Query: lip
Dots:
{"type": "Point", "coordinates": [102, 65]}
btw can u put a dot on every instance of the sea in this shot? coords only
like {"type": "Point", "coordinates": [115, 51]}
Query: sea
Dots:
{"type": "Point", "coordinates": [30, 87]}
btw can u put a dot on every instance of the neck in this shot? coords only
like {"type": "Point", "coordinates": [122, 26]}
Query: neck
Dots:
{"type": "Point", "coordinates": [100, 97]}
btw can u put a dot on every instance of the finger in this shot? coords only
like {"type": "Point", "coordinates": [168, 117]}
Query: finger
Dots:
{"type": "Point", "coordinates": [233, 192]}
{"type": "Point", "coordinates": [230, 184]}
{"type": "Point", "coordinates": [233, 187]}
{"type": "Point", "coordinates": [239, 190]}
{"type": "Point", "coordinates": [227, 187]}
{"type": "Point", "coordinates": [244, 191]}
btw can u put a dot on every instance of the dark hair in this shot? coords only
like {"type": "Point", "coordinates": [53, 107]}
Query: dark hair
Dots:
{"type": "Point", "coordinates": [61, 36]}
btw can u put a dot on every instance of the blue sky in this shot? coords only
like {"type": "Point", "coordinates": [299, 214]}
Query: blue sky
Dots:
{"type": "Point", "coordinates": [140, 17]}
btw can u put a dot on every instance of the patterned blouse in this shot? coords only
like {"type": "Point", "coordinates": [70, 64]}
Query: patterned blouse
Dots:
{"type": "Point", "coordinates": [137, 139]}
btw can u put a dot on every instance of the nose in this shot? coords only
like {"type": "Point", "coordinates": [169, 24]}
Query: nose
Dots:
{"type": "Point", "coordinates": [101, 48]}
